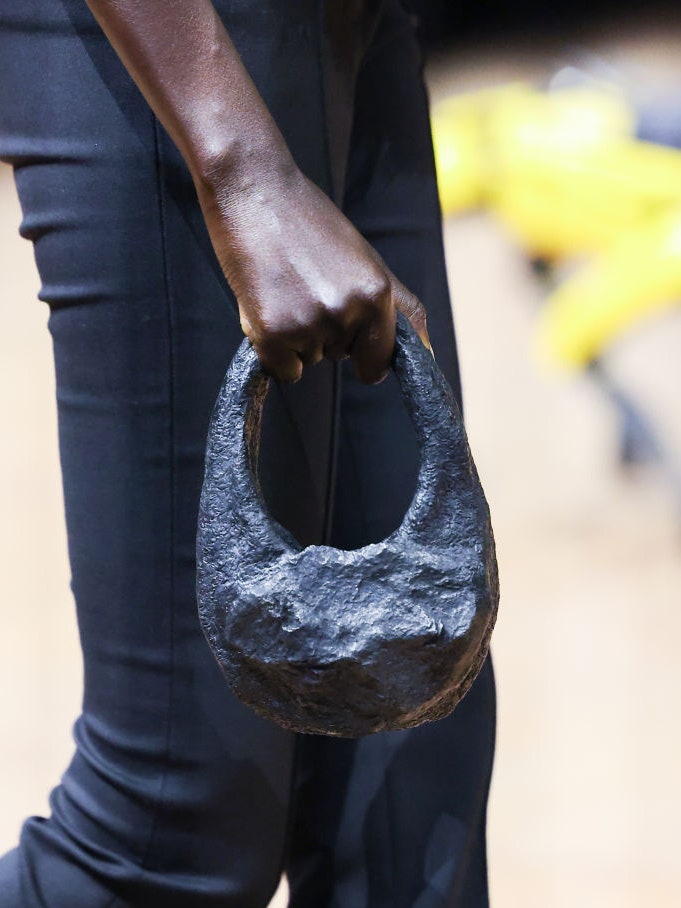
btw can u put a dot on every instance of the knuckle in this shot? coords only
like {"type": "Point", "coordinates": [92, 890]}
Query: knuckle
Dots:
{"type": "Point", "coordinates": [363, 299]}
{"type": "Point", "coordinates": [336, 313]}
{"type": "Point", "coordinates": [376, 292]}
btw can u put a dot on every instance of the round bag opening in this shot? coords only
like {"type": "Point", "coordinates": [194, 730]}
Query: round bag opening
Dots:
{"type": "Point", "coordinates": [376, 465]}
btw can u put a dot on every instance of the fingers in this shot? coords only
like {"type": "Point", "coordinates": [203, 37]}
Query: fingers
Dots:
{"type": "Point", "coordinates": [283, 356]}
{"type": "Point", "coordinates": [338, 350]}
{"type": "Point", "coordinates": [366, 332]}
{"type": "Point", "coordinates": [411, 307]}
{"type": "Point", "coordinates": [279, 361]}
{"type": "Point", "coordinates": [372, 349]}
{"type": "Point", "coordinates": [311, 355]}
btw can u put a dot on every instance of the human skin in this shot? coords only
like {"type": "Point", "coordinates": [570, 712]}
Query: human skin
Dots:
{"type": "Point", "coordinates": [307, 284]}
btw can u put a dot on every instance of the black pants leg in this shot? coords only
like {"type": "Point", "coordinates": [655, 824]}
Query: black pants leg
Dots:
{"type": "Point", "coordinates": [176, 794]}
{"type": "Point", "coordinates": [396, 820]}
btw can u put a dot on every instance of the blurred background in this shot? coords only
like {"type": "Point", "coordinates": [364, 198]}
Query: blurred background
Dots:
{"type": "Point", "coordinates": [557, 128]}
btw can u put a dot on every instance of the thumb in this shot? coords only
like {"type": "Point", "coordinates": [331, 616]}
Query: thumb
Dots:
{"type": "Point", "coordinates": [412, 308]}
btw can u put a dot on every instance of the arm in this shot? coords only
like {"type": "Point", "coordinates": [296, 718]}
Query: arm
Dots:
{"type": "Point", "coordinates": [306, 283]}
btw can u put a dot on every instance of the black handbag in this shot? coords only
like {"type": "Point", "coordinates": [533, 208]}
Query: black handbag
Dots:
{"type": "Point", "coordinates": [337, 642]}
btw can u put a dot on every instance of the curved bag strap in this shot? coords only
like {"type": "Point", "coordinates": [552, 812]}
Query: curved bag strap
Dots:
{"type": "Point", "coordinates": [234, 438]}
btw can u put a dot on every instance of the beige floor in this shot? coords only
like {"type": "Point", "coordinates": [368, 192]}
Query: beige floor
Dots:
{"type": "Point", "coordinates": [587, 789]}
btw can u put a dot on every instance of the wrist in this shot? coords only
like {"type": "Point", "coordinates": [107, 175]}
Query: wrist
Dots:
{"type": "Point", "coordinates": [241, 164]}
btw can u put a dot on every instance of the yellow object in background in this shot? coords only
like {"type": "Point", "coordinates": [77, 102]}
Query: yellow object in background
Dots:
{"type": "Point", "coordinates": [566, 175]}
{"type": "Point", "coordinates": [638, 276]}
{"type": "Point", "coordinates": [462, 151]}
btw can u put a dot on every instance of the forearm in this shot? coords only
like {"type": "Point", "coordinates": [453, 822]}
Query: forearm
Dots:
{"type": "Point", "coordinates": [306, 282]}
{"type": "Point", "coordinates": [182, 59]}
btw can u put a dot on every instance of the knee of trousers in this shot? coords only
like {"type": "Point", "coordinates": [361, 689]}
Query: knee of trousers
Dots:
{"type": "Point", "coordinates": [201, 824]}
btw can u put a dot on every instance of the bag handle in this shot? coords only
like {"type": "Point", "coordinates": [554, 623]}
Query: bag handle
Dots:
{"type": "Point", "coordinates": [234, 439]}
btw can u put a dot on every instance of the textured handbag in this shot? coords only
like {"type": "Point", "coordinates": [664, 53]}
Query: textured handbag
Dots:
{"type": "Point", "coordinates": [340, 642]}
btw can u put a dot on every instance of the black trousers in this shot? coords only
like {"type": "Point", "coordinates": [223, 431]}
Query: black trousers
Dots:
{"type": "Point", "coordinates": [178, 796]}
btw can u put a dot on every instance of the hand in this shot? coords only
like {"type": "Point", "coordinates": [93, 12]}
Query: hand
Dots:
{"type": "Point", "coordinates": [308, 285]}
